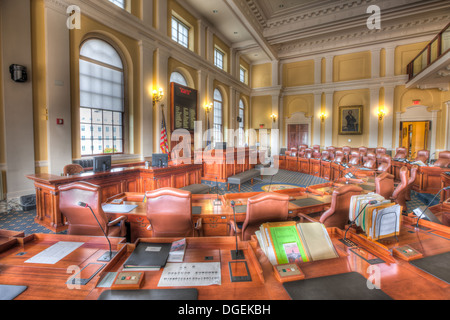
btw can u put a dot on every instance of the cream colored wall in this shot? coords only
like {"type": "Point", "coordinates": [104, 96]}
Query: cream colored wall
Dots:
{"type": "Point", "coordinates": [261, 75]}
{"type": "Point", "coordinates": [353, 66]}
{"type": "Point", "coordinates": [298, 73]}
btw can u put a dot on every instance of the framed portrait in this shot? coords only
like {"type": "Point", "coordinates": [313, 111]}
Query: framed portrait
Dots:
{"type": "Point", "coordinates": [350, 120]}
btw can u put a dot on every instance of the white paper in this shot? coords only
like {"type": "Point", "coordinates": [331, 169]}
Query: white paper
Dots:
{"type": "Point", "coordinates": [190, 274]}
{"type": "Point", "coordinates": [118, 208]}
{"type": "Point", "coordinates": [55, 253]}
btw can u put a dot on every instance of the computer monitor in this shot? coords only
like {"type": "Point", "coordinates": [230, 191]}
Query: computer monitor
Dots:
{"type": "Point", "coordinates": [102, 163]}
{"type": "Point", "coordinates": [160, 160]}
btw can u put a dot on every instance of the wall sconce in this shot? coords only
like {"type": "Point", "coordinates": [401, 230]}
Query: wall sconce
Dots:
{"type": "Point", "coordinates": [157, 95]}
{"type": "Point", "coordinates": [323, 116]}
{"type": "Point", "coordinates": [381, 114]}
{"type": "Point", "coordinates": [208, 107]}
{"type": "Point", "coordinates": [274, 117]}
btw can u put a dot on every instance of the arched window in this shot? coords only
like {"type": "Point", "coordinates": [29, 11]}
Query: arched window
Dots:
{"type": "Point", "coordinates": [241, 123]}
{"type": "Point", "coordinates": [178, 78]}
{"type": "Point", "coordinates": [217, 124]}
{"type": "Point", "coordinates": [101, 99]}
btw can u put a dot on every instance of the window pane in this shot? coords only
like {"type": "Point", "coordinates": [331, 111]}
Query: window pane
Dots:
{"type": "Point", "coordinates": [101, 51]}
{"type": "Point", "coordinates": [118, 146]}
{"type": "Point", "coordinates": [117, 118]}
{"type": "Point", "coordinates": [178, 78]}
{"type": "Point", "coordinates": [107, 117]}
{"type": "Point", "coordinates": [86, 147]}
{"type": "Point", "coordinates": [180, 32]}
{"type": "Point", "coordinates": [85, 115]}
{"type": "Point", "coordinates": [97, 116]}
{"type": "Point", "coordinates": [119, 3]}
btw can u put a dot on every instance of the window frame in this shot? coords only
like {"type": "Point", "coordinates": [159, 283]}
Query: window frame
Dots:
{"type": "Point", "coordinates": [216, 103]}
{"type": "Point", "coordinates": [218, 52]}
{"type": "Point", "coordinates": [185, 26]}
{"type": "Point", "coordinates": [117, 3]}
{"type": "Point", "coordinates": [125, 117]}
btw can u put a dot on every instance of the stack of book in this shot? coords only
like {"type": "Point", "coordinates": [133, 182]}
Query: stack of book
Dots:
{"type": "Point", "coordinates": [289, 242]}
{"type": "Point", "coordinates": [378, 221]}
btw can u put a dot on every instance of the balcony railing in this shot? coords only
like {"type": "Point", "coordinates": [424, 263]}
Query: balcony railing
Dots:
{"type": "Point", "coordinates": [432, 52]}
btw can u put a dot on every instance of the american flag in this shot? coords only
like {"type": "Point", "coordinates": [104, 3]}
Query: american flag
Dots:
{"type": "Point", "coordinates": [164, 143]}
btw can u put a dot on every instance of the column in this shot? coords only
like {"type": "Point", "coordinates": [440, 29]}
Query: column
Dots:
{"type": "Point", "coordinates": [17, 97]}
{"type": "Point", "coordinates": [373, 117]}
{"type": "Point", "coordinates": [390, 61]}
{"type": "Point", "coordinates": [447, 126]}
{"type": "Point", "coordinates": [209, 45]}
{"type": "Point", "coordinates": [376, 63]}
{"type": "Point", "coordinates": [329, 119]}
{"type": "Point", "coordinates": [147, 134]}
{"type": "Point", "coordinates": [329, 68]}
{"type": "Point", "coordinates": [201, 44]}
{"type": "Point", "coordinates": [317, 125]}
{"type": "Point", "coordinates": [161, 16]}
{"type": "Point", "coordinates": [318, 70]}
{"type": "Point", "coordinates": [388, 119]}
{"type": "Point", "coordinates": [58, 88]}
{"type": "Point", "coordinates": [161, 79]}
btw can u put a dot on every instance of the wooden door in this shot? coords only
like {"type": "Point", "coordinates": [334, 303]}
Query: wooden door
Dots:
{"type": "Point", "coordinates": [414, 136]}
{"type": "Point", "coordinates": [297, 135]}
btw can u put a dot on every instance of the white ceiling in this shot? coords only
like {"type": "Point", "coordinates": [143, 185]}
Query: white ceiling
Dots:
{"type": "Point", "coordinates": [262, 29]}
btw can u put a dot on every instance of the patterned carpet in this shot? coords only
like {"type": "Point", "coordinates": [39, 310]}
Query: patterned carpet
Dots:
{"type": "Point", "coordinates": [13, 218]}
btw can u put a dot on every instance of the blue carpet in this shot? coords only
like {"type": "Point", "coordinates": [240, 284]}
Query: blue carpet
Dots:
{"type": "Point", "coordinates": [14, 219]}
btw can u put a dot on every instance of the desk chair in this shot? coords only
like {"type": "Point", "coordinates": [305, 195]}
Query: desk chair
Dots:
{"type": "Point", "coordinates": [380, 152]}
{"type": "Point", "coordinates": [423, 155]}
{"type": "Point", "coordinates": [384, 185]}
{"type": "Point", "coordinates": [401, 153]}
{"type": "Point", "coordinates": [371, 161]}
{"type": "Point", "coordinates": [338, 213]}
{"type": "Point", "coordinates": [444, 160]}
{"type": "Point", "coordinates": [339, 157]}
{"type": "Point", "coordinates": [81, 220]}
{"type": "Point", "coordinates": [169, 212]}
{"type": "Point", "coordinates": [400, 193]}
{"type": "Point", "coordinates": [72, 168]}
{"type": "Point", "coordinates": [264, 207]}
{"type": "Point", "coordinates": [384, 163]}
{"type": "Point", "coordinates": [354, 159]}
{"type": "Point", "coordinates": [412, 179]}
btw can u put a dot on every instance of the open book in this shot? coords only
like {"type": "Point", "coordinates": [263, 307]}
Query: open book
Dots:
{"type": "Point", "coordinates": [289, 242]}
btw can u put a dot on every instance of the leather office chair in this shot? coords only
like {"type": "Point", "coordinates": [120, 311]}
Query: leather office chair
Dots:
{"type": "Point", "coordinates": [399, 194]}
{"type": "Point", "coordinates": [363, 151]}
{"type": "Point", "coordinates": [339, 157]}
{"type": "Point", "coordinates": [332, 151]}
{"type": "Point", "coordinates": [384, 185]}
{"type": "Point", "coordinates": [316, 152]}
{"type": "Point", "coordinates": [384, 163]}
{"type": "Point", "coordinates": [308, 153]}
{"type": "Point", "coordinates": [325, 155]}
{"type": "Point", "coordinates": [380, 152]}
{"type": "Point", "coordinates": [423, 155]}
{"type": "Point", "coordinates": [338, 214]}
{"type": "Point", "coordinates": [169, 212]}
{"type": "Point", "coordinates": [444, 160]}
{"type": "Point", "coordinates": [265, 207]}
{"type": "Point", "coordinates": [354, 159]}
{"type": "Point", "coordinates": [80, 219]}
{"type": "Point", "coordinates": [371, 161]}
{"type": "Point", "coordinates": [411, 180]}
{"type": "Point", "coordinates": [401, 153]}
{"type": "Point", "coordinates": [72, 168]}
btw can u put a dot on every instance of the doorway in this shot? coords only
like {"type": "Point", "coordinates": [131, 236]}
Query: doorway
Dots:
{"type": "Point", "coordinates": [298, 134]}
{"type": "Point", "coordinates": [414, 136]}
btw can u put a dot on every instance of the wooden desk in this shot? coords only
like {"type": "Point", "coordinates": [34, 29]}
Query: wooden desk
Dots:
{"type": "Point", "coordinates": [215, 219]}
{"type": "Point", "coordinates": [229, 162]}
{"type": "Point", "coordinates": [398, 277]}
{"type": "Point", "coordinates": [115, 181]}
{"type": "Point", "coordinates": [45, 281]}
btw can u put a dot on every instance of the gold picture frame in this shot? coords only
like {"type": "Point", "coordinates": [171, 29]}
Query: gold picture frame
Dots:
{"type": "Point", "coordinates": [351, 120]}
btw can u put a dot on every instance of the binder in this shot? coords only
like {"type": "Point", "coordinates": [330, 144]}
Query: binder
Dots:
{"type": "Point", "coordinates": [148, 257]}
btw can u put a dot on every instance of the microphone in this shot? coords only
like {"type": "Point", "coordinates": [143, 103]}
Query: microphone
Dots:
{"type": "Point", "coordinates": [430, 216]}
{"type": "Point", "coordinates": [350, 243]}
{"type": "Point", "coordinates": [270, 185]}
{"type": "Point", "coordinates": [217, 202]}
{"type": "Point", "coordinates": [236, 254]}
{"type": "Point", "coordinates": [107, 256]}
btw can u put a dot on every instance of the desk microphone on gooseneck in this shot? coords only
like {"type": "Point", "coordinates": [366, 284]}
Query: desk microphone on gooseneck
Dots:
{"type": "Point", "coordinates": [345, 240]}
{"type": "Point", "coordinates": [236, 254]}
{"type": "Point", "coordinates": [108, 255]}
{"type": "Point", "coordinates": [430, 215]}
